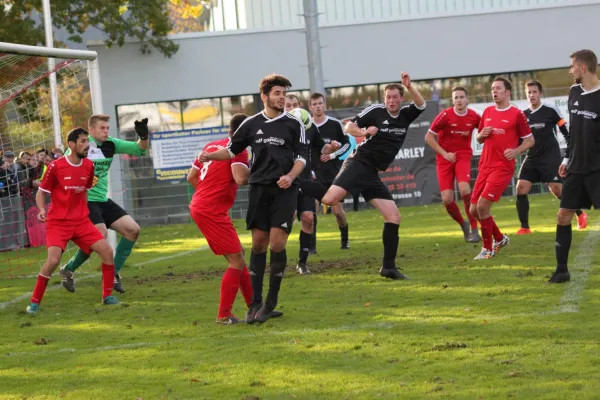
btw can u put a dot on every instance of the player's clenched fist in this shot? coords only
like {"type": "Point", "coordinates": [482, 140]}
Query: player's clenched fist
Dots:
{"type": "Point", "coordinates": [141, 128]}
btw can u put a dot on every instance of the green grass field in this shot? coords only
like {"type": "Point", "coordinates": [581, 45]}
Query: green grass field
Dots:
{"type": "Point", "coordinates": [459, 329]}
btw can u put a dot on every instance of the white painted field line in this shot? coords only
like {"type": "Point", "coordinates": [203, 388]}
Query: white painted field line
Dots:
{"type": "Point", "coordinates": [579, 272]}
{"type": "Point", "coordinates": [94, 275]}
{"type": "Point", "coordinates": [232, 335]}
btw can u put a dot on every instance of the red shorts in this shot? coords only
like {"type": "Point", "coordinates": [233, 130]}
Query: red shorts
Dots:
{"type": "Point", "coordinates": [83, 233]}
{"type": "Point", "coordinates": [218, 231]}
{"type": "Point", "coordinates": [447, 171]}
{"type": "Point", "coordinates": [490, 184]}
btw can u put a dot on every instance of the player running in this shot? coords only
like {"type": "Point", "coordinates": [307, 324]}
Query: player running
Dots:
{"type": "Point", "coordinates": [453, 128]}
{"type": "Point", "coordinates": [216, 184]}
{"type": "Point", "coordinates": [105, 213]}
{"type": "Point", "coordinates": [500, 129]}
{"type": "Point", "coordinates": [68, 180]}
{"type": "Point", "coordinates": [543, 159]}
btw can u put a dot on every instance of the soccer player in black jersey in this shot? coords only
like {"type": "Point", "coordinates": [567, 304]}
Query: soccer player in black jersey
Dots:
{"type": "Point", "coordinates": [327, 166]}
{"type": "Point", "coordinates": [543, 159]}
{"type": "Point", "coordinates": [306, 208]}
{"type": "Point", "coordinates": [279, 154]}
{"type": "Point", "coordinates": [581, 167]}
{"type": "Point", "coordinates": [385, 127]}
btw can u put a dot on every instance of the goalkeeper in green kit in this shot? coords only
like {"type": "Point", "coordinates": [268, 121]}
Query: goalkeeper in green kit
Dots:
{"type": "Point", "coordinates": [104, 213]}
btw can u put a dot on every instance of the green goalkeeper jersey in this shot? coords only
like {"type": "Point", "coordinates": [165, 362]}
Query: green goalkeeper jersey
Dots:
{"type": "Point", "coordinates": [102, 157]}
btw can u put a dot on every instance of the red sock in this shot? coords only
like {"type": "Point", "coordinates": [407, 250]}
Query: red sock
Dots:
{"type": "Point", "coordinates": [230, 285]}
{"type": "Point", "coordinates": [40, 288]}
{"type": "Point", "coordinates": [108, 278]}
{"type": "Point", "coordinates": [498, 236]}
{"type": "Point", "coordinates": [454, 212]}
{"type": "Point", "coordinates": [246, 286]}
{"type": "Point", "coordinates": [487, 226]}
{"type": "Point", "coordinates": [467, 200]}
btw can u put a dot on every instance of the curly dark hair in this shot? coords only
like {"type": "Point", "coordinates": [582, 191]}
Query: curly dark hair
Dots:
{"type": "Point", "coordinates": [268, 82]}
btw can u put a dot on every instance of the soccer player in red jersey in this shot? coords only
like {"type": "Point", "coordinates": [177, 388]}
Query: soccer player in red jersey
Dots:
{"type": "Point", "coordinates": [216, 184]}
{"type": "Point", "coordinates": [500, 129]}
{"type": "Point", "coordinates": [67, 180]}
{"type": "Point", "coordinates": [453, 128]}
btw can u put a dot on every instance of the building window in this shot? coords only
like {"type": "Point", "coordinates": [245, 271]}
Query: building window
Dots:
{"type": "Point", "coordinates": [203, 113]}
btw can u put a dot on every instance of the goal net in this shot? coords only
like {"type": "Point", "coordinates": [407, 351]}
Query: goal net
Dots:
{"type": "Point", "coordinates": [28, 143]}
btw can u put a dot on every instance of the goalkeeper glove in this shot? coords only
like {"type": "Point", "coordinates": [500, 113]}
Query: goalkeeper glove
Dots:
{"type": "Point", "coordinates": [141, 128]}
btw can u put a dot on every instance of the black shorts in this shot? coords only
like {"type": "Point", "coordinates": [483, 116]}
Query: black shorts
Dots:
{"type": "Point", "coordinates": [545, 171]}
{"type": "Point", "coordinates": [305, 204]}
{"type": "Point", "coordinates": [105, 212]}
{"type": "Point", "coordinates": [269, 206]}
{"type": "Point", "coordinates": [357, 177]}
{"type": "Point", "coordinates": [581, 191]}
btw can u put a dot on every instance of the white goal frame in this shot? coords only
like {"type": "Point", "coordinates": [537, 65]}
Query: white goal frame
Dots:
{"type": "Point", "coordinates": [93, 77]}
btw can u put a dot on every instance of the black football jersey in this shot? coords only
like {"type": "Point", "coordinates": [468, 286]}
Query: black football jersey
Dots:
{"type": "Point", "coordinates": [543, 122]}
{"type": "Point", "coordinates": [276, 143]}
{"type": "Point", "coordinates": [583, 149]}
{"type": "Point", "coordinates": [381, 149]}
{"type": "Point", "coordinates": [331, 129]}
{"type": "Point", "coordinates": [315, 144]}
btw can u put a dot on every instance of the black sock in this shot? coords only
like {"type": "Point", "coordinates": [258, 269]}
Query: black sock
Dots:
{"type": "Point", "coordinates": [305, 239]}
{"type": "Point", "coordinates": [258, 264]}
{"type": "Point", "coordinates": [390, 244]}
{"type": "Point", "coordinates": [278, 262]}
{"type": "Point", "coordinates": [578, 212]}
{"type": "Point", "coordinates": [313, 235]}
{"type": "Point", "coordinates": [312, 189]}
{"type": "Point", "coordinates": [356, 201]}
{"type": "Point", "coordinates": [344, 232]}
{"type": "Point", "coordinates": [523, 210]}
{"type": "Point", "coordinates": [564, 234]}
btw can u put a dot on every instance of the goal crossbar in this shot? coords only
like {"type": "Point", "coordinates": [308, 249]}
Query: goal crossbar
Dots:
{"type": "Point", "coordinates": [12, 48]}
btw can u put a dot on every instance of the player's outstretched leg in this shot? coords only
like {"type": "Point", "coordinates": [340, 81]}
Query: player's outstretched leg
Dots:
{"type": "Point", "coordinates": [564, 234]}
{"type": "Point", "coordinates": [230, 284]}
{"type": "Point", "coordinates": [277, 240]}
{"type": "Point", "coordinates": [464, 189]}
{"type": "Point", "coordinates": [54, 254]}
{"type": "Point", "coordinates": [258, 264]}
{"type": "Point", "coordinates": [582, 217]}
{"type": "Point", "coordinates": [454, 212]}
{"type": "Point", "coordinates": [130, 232]}
{"type": "Point", "coordinates": [342, 222]}
{"type": "Point", "coordinates": [390, 237]}
{"type": "Point", "coordinates": [313, 235]}
{"type": "Point", "coordinates": [67, 272]}
{"type": "Point", "coordinates": [523, 188]}
{"type": "Point", "coordinates": [307, 220]}
{"type": "Point", "coordinates": [105, 252]}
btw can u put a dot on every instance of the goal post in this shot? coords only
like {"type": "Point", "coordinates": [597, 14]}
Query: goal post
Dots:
{"type": "Point", "coordinates": [28, 122]}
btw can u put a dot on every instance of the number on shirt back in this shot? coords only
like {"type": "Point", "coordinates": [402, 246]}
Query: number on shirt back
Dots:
{"type": "Point", "coordinates": [204, 170]}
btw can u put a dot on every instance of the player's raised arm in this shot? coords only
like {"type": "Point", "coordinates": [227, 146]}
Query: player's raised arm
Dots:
{"type": "Point", "coordinates": [141, 128]}
{"type": "Point", "coordinates": [416, 96]}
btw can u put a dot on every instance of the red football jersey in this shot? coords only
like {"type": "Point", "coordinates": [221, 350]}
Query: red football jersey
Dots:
{"type": "Point", "coordinates": [216, 187]}
{"type": "Point", "coordinates": [510, 125]}
{"type": "Point", "coordinates": [68, 185]}
{"type": "Point", "coordinates": [454, 131]}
